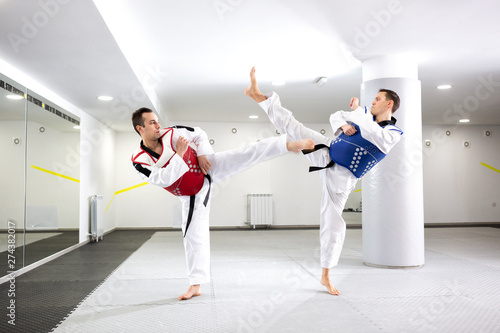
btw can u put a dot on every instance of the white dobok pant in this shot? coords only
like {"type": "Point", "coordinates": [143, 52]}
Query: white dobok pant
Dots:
{"type": "Point", "coordinates": [224, 164]}
{"type": "Point", "coordinates": [332, 225]}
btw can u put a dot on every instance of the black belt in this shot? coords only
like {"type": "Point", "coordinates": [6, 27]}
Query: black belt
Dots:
{"type": "Point", "coordinates": [317, 147]}
{"type": "Point", "coordinates": [192, 200]}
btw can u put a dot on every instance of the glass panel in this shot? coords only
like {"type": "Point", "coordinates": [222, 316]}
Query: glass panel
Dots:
{"type": "Point", "coordinates": [52, 182]}
{"type": "Point", "coordinates": [12, 193]}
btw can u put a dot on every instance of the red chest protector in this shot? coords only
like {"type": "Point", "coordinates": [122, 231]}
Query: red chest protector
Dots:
{"type": "Point", "coordinates": [191, 182]}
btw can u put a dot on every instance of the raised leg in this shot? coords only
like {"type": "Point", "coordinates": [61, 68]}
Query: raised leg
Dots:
{"type": "Point", "coordinates": [252, 90]}
{"type": "Point", "coordinates": [234, 161]}
{"type": "Point", "coordinates": [280, 117]}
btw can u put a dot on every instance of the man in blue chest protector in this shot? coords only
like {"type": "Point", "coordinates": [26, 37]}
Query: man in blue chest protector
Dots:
{"type": "Point", "coordinates": [363, 138]}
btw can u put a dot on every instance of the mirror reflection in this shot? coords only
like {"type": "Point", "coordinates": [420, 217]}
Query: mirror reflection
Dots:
{"type": "Point", "coordinates": [44, 199]}
{"type": "Point", "coordinates": [13, 138]}
{"type": "Point", "coordinates": [52, 179]}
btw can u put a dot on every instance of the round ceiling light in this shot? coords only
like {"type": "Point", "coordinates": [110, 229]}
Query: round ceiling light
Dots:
{"type": "Point", "coordinates": [105, 98]}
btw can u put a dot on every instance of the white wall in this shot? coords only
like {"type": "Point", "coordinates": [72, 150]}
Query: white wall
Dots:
{"type": "Point", "coordinates": [97, 170]}
{"type": "Point", "coordinates": [457, 187]}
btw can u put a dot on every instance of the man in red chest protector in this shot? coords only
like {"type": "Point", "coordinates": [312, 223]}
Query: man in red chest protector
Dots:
{"type": "Point", "coordinates": [165, 158]}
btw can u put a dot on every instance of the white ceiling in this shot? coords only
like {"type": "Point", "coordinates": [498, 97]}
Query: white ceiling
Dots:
{"type": "Point", "coordinates": [192, 58]}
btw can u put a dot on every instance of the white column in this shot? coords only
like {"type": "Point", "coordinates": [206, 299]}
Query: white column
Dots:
{"type": "Point", "coordinates": [392, 192]}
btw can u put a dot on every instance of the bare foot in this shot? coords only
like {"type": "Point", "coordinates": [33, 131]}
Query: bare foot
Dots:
{"type": "Point", "coordinates": [325, 280]}
{"type": "Point", "coordinates": [329, 286]}
{"type": "Point", "coordinates": [252, 90]}
{"type": "Point", "coordinates": [193, 290]}
{"type": "Point", "coordinates": [297, 146]}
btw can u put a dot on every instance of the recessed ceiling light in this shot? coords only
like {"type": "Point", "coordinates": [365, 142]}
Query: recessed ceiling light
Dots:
{"type": "Point", "coordinates": [278, 83]}
{"type": "Point", "coordinates": [76, 127]}
{"type": "Point", "coordinates": [105, 98]}
{"type": "Point", "coordinates": [253, 117]}
{"type": "Point", "coordinates": [464, 120]}
{"type": "Point", "coordinates": [14, 97]}
{"type": "Point", "coordinates": [444, 86]}
{"type": "Point", "coordinates": [321, 81]}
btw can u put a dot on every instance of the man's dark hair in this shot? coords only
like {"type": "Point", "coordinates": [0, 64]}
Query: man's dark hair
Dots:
{"type": "Point", "coordinates": [137, 119]}
{"type": "Point", "coordinates": [391, 96]}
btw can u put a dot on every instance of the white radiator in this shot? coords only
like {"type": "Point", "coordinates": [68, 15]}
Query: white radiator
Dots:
{"type": "Point", "coordinates": [259, 209]}
{"type": "Point", "coordinates": [96, 218]}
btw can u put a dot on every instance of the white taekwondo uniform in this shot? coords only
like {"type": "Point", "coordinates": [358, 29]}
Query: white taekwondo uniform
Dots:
{"type": "Point", "coordinates": [338, 181]}
{"type": "Point", "coordinates": [183, 178]}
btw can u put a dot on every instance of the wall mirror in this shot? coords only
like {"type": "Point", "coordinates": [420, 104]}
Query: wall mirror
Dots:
{"type": "Point", "coordinates": [12, 193]}
{"type": "Point", "coordinates": [45, 185]}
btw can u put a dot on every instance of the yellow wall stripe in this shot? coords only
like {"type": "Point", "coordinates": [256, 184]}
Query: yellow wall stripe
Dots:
{"type": "Point", "coordinates": [55, 173]}
{"type": "Point", "coordinates": [131, 188]}
{"type": "Point", "coordinates": [490, 167]}
{"type": "Point", "coordinates": [358, 190]}
{"type": "Point", "coordinates": [124, 190]}
{"type": "Point", "coordinates": [109, 204]}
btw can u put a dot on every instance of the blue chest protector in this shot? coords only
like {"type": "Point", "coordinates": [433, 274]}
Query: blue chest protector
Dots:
{"type": "Point", "coordinates": [355, 153]}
